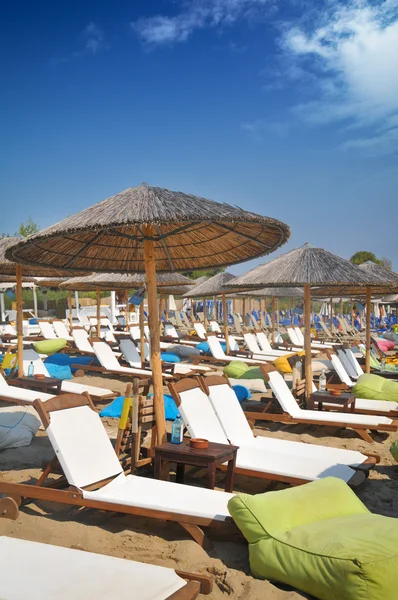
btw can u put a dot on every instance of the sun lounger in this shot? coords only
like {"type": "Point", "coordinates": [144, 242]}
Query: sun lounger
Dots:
{"type": "Point", "coordinates": [67, 386]}
{"type": "Point", "coordinates": [17, 395]}
{"type": "Point", "coordinates": [82, 342]}
{"type": "Point", "coordinates": [202, 422]}
{"type": "Point", "coordinates": [236, 427]}
{"type": "Point", "coordinates": [219, 356]}
{"type": "Point", "coordinates": [60, 329]}
{"type": "Point", "coordinates": [96, 478]}
{"type": "Point", "coordinates": [80, 575]}
{"type": "Point", "coordinates": [271, 354]}
{"type": "Point", "coordinates": [293, 414]}
{"type": "Point", "coordinates": [314, 343]}
{"type": "Point", "coordinates": [46, 329]}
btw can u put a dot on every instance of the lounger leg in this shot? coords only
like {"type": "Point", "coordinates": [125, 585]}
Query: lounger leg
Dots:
{"type": "Point", "coordinates": [198, 535]}
{"type": "Point", "coordinates": [364, 435]}
{"type": "Point", "coordinates": [9, 508]}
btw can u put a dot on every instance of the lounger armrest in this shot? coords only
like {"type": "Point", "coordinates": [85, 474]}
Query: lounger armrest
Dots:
{"type": "Point", "coordinates": [206, 583]}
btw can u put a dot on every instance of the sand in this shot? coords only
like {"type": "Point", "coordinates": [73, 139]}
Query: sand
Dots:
{"type": "Point", "coordinates": [167, 544]}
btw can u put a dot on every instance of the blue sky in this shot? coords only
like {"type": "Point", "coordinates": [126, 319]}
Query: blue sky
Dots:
{"type": "Point", "coordinates": [287, 108]}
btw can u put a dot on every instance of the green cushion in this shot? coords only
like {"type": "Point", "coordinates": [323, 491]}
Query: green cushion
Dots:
{"type": "Point", "coordinates": [394, 450]}
{"type": "Point", "coordinates": [235, 369]}
{"type": "Point", "coordinates": [49, 346]}
{"type": "Point", "coordinates": [321, 539]}
{"type": "Point", "coordinates": [375, 387]}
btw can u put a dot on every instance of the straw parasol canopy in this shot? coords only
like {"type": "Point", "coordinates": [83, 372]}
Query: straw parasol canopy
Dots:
{"type": "Point", "coordinates": [216, 285]}
{"type": "Point", "coordinates": [312, 267]}
{"type": "Point", "coordinates": [50, 282]}
{"type": "Point", "coordinates": [274, 292]}
{"type": "Point", "coordinates": [120, 281]}
{"type": "Point", "coordinates": [152, 229]}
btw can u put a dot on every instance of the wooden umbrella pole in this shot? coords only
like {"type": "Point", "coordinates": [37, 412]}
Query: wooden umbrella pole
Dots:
{"type": "Point", "coordinates": [142, 332]}
{"type": "Point", "coordinates": [19, 320]}
{"type": "Point", "coordinates": [307, 339]}
{"type": "Point", "coordinates": [215, 316]}
{"type": "Point", "coordinates": [70, 310]}
{"type": "Point", "coordinates": [98, 313]}
{"type": "Point", "coordinates": [160, 309]}
{"type": "Point", "coordinates": [277, 312]}
{"type": "Point", "coordinates": [273, 319]}
{"type": "Point", "coordinates": [341, 307]}
{"type": "Point", "coordinates": [126, 326]}
{"type": "Point", "coordinates": [331, 315]}
{"type": "Point", "coordinates": [156, 365]}
{"type": "Point", "coordinates": [204, 313]}
{"type": "Point", "coordinates": [368, 309]}
{"type": "Point", "coordinates": [244, 313]}
{"type": "Point", "coordinates": [224, 312]}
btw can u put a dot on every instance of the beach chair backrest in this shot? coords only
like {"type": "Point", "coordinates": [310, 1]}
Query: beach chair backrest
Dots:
{"type": "Point", "coordinates": [170, 331]}
{"type": "Point", "coordinates": [7, 329]}
{"type": "Point", "coordinates": [130, 353]}
{"type": "Point", "coordinates": [353, 360]}
{"type": "Point", "coordinates": [3, 383]}
{"type": "Point", "coordinates": [105, 355]}
{"type": "Point", "coordinates": [200, 330]}
{"type": "Point", "coordinates": [80, 337]}
{"type": "Point", "coordinates": [229, 411]}
{"type": "Point", "coordinates": [47, 330]}
{"type": "Point", "coordinates": [135, 332]}
{"type": "Point", "coordinates": [197, 412]}
{"type": "Point", "coordinates": [299, 335]}
{"type": "Point", "coordinates": [39, 366]}
{"type": "Point", "coordinates": [251, 342]}
{"type": "Point", "coordinates": [293, 336]}
{"type": "Point", "coordinates": [215, 327]}
{"type": "Point", "coordinates": [109, 336]}
{"type": "Point", "coordinates": [215, 347]}
{"type": "Point", "coordinates": [81, 443]}
{"type": "Point", "coordinates": [60, 329]}
{"type": "Point", "coordinates": [233, 344]}
{"type": "Point", "coordinates": [237, 324]}
{"type": "Point", "coordinates": [263, 341]}
{"type": "Point", "coordinates": [345, 361]}
{"type": "Point", "coordinates": [284, 396]}
{"type": "Point", "coordinates": [340, 370]}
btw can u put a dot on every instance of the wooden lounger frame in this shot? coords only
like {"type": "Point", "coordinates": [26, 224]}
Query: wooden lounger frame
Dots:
{"type": "Point", "coordinates": [204, 383]}
{"type": "Point", "coordinates": [16, 493]}
{"type": "Point", "coordinates": [361, 430]}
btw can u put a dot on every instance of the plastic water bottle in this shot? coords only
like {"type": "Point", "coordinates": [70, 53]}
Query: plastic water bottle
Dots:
{"type": "Point", "coordinates": [322, 381]}
{"type": "Point", "coordinates": [31, 369]}
{"type": "Point", "coordinates": [177, 430]}
{"type": "Point", "coordinates": [383, 364]}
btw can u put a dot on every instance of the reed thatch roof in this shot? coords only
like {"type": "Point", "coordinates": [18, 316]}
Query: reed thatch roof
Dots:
{"type": "Point", "coordinates": [200, 279]}
{"type": "Point", "coordinates": [118, 281]}
{"type": "Point", "coordinates": [379, 271]}
{"type": "Point", "coordinates": [50, 282]}
{"type": "Point", "coordinates": [189, 233]}
{"type": "Point", "coordinates": [7, 266]}
{"type": "Point", "coordinates": [334, 275]}
{"type": "Point", "coordinates": [212, 287]}
{"type": "Point", "coordinates": [178, 290]}
{"type": "Point", "coordinates": [273, 292]}
{"type": "Point", "coordinates": [390, 299]}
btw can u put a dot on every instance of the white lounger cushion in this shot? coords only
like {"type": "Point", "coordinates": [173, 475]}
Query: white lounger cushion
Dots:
{"type": "Point", "coordinates": [251, 342]}
{"type": "Point", "coordinates": [233, 420]}
{"type": "Point", "coordinates": [143, 492]}
{"type": "Point", "coordinates": [47, 330]}
{"type": "Point", "coordinates": [20, 394]}
{"type": "Point", "coordinates": [200, 330]}
{"type": "Point", "coordinates": [340, 370]}
{"type": "Point", "coordinates": [109, 361]}
{"type": "Point", "coordinates": [56, 573]}
{"type": "Point", "coordinates": [60, 330]}
{"type": "Point", "coordinates": [80, 337]}
{"type": "Point", "coordinates": [69, 387]}
{"type": "Point", "coordinates": [289, 405]}
{"type": "Point", "coordinates": [201, 421]}
{"type": "Point", "coordinates": [353, 359]}
{"type": "Point", "coordinates": [219, 354]}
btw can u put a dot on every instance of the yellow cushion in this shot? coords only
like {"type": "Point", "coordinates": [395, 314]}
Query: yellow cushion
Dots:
{"type": "Point", "coordinates": [283, 365]}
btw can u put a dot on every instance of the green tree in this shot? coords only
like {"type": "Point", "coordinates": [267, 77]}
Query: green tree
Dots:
{"type": "Point", "coordinates": [27, 228]}
{"type": "Point", "coordinates": [363, 256]}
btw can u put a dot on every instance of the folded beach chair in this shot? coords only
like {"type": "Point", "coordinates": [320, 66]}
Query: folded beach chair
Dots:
{"type": "Point", "coordinates": [96, 478]}
{"type": "Point", "coordinates": [46, 329]}
{"type": "Point", "coordinates": [61, 330]}
{"type": "Point", "coordinates": [70, 387]}
{"type": "Point", "coordinates": [293, 414]}
{"type": "Point", "coordinates": [17, 395]}
{"type": "Point", "coordinates": [279, 465]}
{"type": "Point", "coordinates": [83, 575]}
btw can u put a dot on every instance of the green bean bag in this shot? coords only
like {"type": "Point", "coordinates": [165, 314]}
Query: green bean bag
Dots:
{"type": "Point", "coordinates": [320, 539]}
{"type": "Point", "coordinates": [394, 450]}
{"type": "Point", "coordinates": [374, 387]}
{"type": "Point", "coordinates": [49, 346]}
{"type": "Point", "coordinates": [239, 370]}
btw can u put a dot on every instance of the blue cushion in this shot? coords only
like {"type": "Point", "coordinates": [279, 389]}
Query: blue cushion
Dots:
{"type": "Point", "coordinates": [65, 359]}
{"type": "Point", "coordinates": [114, 409]}
{"type": "Point", "coordinates": [204, 347]}
{"type": "Point", "coordinates": [32, 321]}
{"type": "Point", "coordinates": [242, 392]}
{"type": "Point", "coordinates": [170, 358]}
{"type": "Point", "coordinates": [59, 371]}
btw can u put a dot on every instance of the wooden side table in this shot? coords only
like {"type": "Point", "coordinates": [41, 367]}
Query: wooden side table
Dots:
{"type": "Point", "coordinates": [183, 454]}
{"type": "Point", "coordinates": [345, 399]}
{"type": "Point", "coordinates": [50, 385]}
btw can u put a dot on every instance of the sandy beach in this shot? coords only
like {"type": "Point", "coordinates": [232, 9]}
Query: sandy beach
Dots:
{"type": "Point", "coordinates": [167, 544]}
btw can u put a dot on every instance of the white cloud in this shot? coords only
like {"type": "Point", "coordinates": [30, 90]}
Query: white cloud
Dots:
{"type": "Point", "coordinates": [94, 37]}
{"type": "Point", "coordinates": [352, 49]}
{"type": "Point", "coordinates": [197, 14]}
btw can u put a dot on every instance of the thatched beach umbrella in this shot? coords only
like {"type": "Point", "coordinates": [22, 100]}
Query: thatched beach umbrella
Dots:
{"type": "Point", "coordinates": [308, 267]}
{"type": "Point", "coordinates": [153, 229]}
{"type": "Point", "coordinates": [10, 268]}
{"type": "Point", "coordinates": [111, 281]}
{"type": "Point", "coordinates": [215, 286]}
